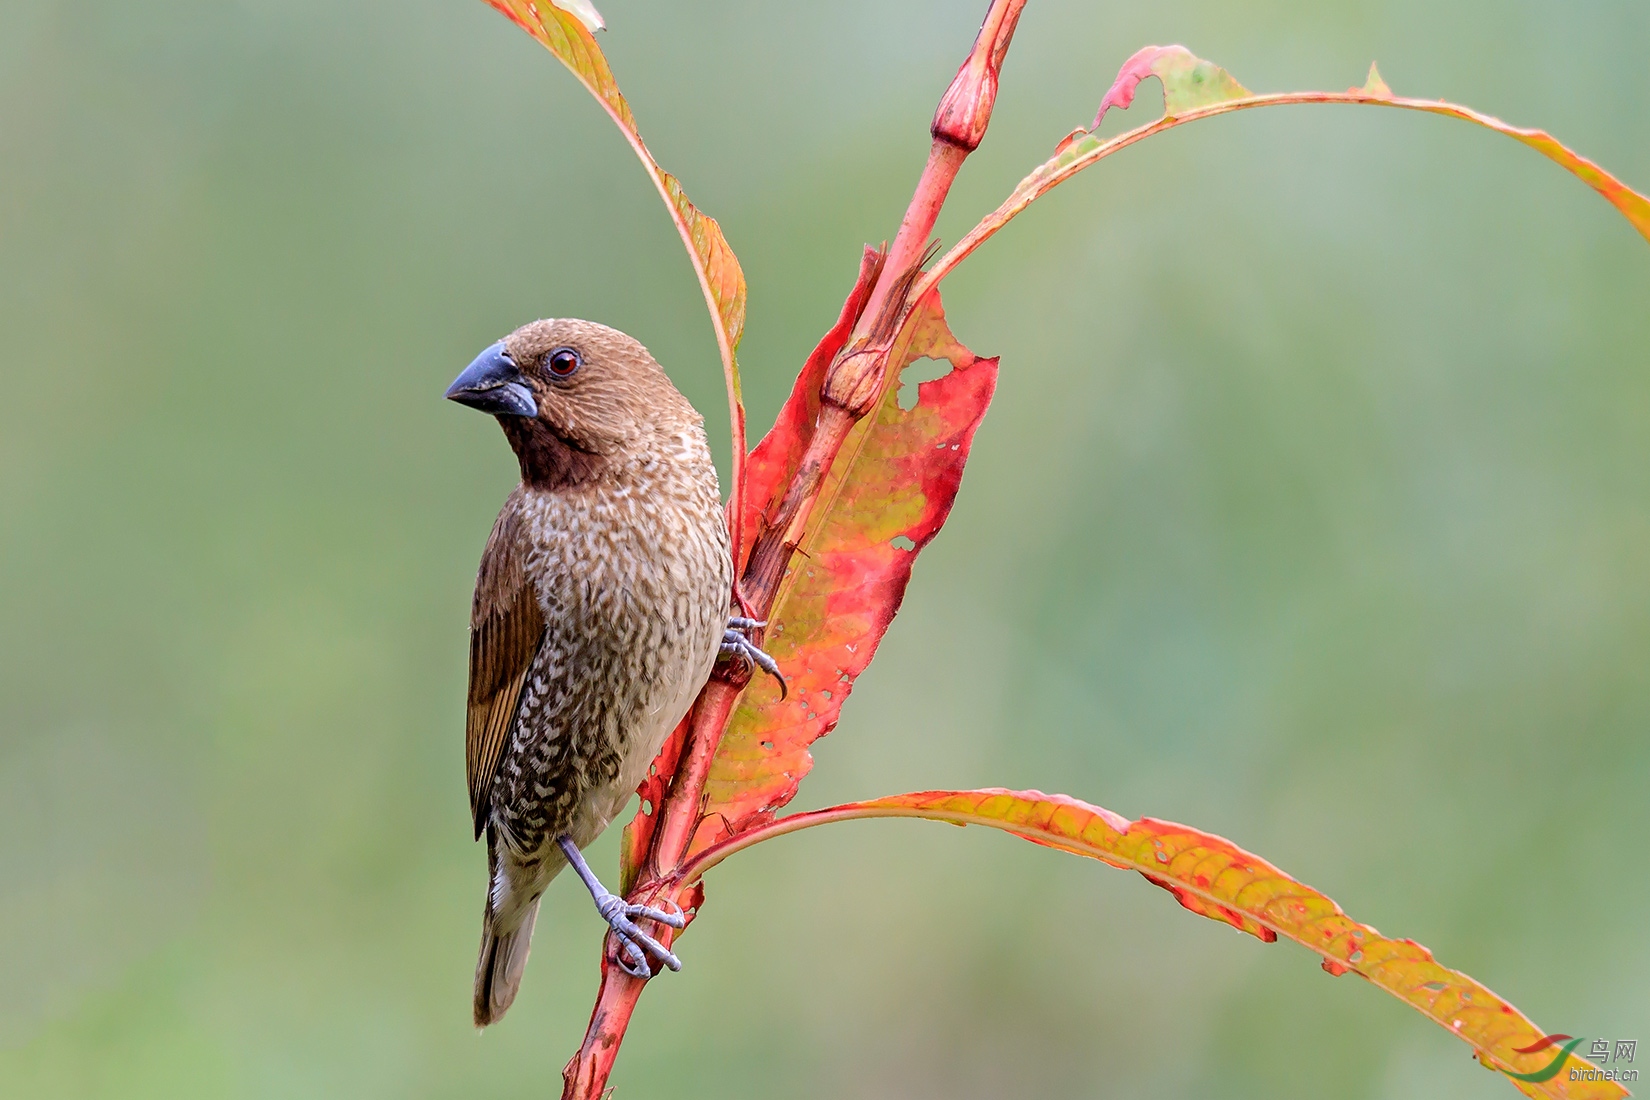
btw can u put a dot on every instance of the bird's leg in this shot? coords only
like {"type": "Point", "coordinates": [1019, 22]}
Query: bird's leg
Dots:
{"type": "Point", "coordinates": [618, 914]}
{"type": "Point", "coordinates": [736, 644]}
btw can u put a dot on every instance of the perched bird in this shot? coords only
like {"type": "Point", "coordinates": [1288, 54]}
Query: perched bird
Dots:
{"type": "Point", "coordinates": [602, 602]}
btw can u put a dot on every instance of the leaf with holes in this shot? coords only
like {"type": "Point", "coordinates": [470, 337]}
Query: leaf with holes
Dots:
{"type": "Point", "coordinates": [1196, 89]}
{"type": "Point", "coordinates": [1214, 878]}
{"type": "Point", "coordinates": [773, 463]}
{"type": "Point", "coordinates": [565, 34]}
{"type": "Point", "coordinates": [884, 499]}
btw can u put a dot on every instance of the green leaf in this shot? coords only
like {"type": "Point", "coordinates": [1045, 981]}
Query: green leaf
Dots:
{"type": "Point", "coordinates": [1195, 89]}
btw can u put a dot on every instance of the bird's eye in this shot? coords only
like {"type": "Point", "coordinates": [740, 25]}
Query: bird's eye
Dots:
{"type": "Point", "coordinates": [562, 362]}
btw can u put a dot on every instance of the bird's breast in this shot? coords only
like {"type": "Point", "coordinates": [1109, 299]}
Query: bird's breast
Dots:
{"type": "Point", "coordinates": [634, 583]}
{"type": "Point", "coordinates": [653, 548]}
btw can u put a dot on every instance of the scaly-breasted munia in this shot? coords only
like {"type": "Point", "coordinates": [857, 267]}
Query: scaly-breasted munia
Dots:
{"type": "Point", "coordinates": [601, 604]}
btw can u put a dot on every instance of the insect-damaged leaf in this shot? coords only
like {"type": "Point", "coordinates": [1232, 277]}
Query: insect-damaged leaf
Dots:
{"type": "Point", "coordinates": [884, 499]}
{"type": "Point", "coordinates": [1188, 82]}
{"type": "Point", "coordinates": [1214, 878]}
{"type": "Point", "coordinates": [567, 36]}
{"type": "Point", "coordinates": [775, 459]}
{"type": "Point", "coordinates": [1194, 89]}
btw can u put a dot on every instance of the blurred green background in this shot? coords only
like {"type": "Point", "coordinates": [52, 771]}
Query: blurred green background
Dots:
{"type": "Point", "coordinates": [1314, 510]}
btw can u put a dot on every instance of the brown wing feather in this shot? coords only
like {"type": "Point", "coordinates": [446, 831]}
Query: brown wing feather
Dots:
{"type": "Point", "coordinates": [506, 628]}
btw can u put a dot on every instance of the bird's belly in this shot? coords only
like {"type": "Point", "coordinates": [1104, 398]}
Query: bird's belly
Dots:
{"type": "Point", "coordinates": [629, 641]}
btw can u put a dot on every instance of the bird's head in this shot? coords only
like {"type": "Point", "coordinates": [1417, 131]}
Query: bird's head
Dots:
{"type": "Point", "coordinates": [572, 397]}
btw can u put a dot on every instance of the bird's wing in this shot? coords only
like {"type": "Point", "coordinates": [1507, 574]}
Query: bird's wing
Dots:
{"type": "Point", "coordinates": [506, 628]}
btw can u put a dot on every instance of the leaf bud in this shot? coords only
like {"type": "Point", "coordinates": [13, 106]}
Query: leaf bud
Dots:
{"type": "Point", "coordinates": [854, 380]}
{"type": "Point", "coordinates": [965, 109]}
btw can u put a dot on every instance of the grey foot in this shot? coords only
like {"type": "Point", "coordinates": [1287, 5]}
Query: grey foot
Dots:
{"type": "Point", "coordinates": [634, 944]}
{"type": "Point", "coordinates": [735, 644]}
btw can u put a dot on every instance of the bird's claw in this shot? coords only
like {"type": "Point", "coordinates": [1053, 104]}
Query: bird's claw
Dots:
{"type": "Point", "coordinates": [634, 944]}
{"type": "Point", "coordinates": [735, 644]}
{"type": "Point", "coordinates": [621, 916]}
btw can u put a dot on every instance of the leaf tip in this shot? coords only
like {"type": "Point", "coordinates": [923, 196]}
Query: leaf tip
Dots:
{"type": "Point", "coordinates": [1374, 85]}
{"type": "Point", "coordinates": [585, 12]}
{"type": "Point", "coordinates": [1073, 138]}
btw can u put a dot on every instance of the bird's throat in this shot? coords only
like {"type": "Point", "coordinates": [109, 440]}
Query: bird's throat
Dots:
{"type": "Point", "coordinates": [549, 462]}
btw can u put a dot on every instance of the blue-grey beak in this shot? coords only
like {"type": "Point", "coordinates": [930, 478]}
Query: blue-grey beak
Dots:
{"type": "Point", "coordinates": [493, 384]}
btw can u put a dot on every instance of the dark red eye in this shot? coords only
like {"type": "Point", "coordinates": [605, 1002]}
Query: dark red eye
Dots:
{"type": "Point", "coordinates": [562, 362]}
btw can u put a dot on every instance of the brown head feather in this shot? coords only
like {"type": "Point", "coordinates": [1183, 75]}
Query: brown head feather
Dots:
{"type": "Point", "coordinates": [611, 404]}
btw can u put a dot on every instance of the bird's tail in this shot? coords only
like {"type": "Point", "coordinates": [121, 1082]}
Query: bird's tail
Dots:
{"type": "Point", "coordinates": [513, 891]}
{"type": "Point", "coordinates": [503, 957]}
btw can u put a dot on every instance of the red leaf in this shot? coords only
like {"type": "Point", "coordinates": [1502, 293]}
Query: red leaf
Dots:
{"type": "Point", "coordinates": [884, 499]}
{"type": "Point", "coordinates": [775, 460]}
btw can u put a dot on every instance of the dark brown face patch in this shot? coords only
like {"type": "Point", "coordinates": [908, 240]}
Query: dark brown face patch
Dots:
{"type": "Point", "coordinates": [547, 461]}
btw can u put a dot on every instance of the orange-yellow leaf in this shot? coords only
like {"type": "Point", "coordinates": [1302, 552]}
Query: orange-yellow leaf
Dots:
{"type": "Point", "coordinates": [566, 35]}
{"type": "Point", "coordinates": [1214, 878]}
{"type": "Point", "coordinates": [1195, 89]}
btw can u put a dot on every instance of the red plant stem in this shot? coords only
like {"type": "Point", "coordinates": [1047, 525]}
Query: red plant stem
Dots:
{"type": "Point", "coordinates": [585, 1075]}
{"type": "Point", "coordinates": [859, 375]}
{"type": "Point", "coordinates": [945, 159]}
{"type": "Point", "coordinates": [681, 809]}
{"type": "Point", "coordinates": [958, 127]}
{"type": "Point", "coordinates": [959, 124]}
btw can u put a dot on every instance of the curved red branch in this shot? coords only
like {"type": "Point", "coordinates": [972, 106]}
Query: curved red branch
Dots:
{"type": "Point", "coordinates": [959, 124]}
